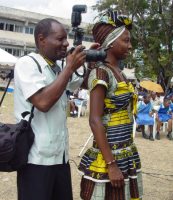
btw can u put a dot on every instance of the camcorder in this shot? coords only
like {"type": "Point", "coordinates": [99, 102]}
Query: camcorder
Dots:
{"type": "Point", "coordinates": [91, 55]}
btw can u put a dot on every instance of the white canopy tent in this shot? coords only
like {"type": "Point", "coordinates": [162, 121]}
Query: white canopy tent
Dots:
{"type": "Point", "coordinates": [7, 62]}
{"type": "Point", "coordinates": [7, 59]}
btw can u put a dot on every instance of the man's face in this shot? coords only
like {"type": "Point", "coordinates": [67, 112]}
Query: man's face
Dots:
{"type": "Point", "coordinates": [54, 46]}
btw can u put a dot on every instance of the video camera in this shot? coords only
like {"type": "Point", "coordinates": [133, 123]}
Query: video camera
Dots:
{"type": "Point", "coordinates": [91, 55]}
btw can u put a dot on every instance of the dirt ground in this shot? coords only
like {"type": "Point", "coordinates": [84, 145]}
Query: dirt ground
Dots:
{"type": "Point", "coordinates": [156, 157]}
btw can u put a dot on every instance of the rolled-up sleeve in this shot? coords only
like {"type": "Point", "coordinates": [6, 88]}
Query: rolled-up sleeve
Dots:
{"type": "Point", "coordinates": [98, 76]}
{"type": "Point", "coordinates": [28, 77]}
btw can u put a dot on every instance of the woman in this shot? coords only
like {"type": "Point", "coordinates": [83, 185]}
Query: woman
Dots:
{"type": "Point", "coordinates": [111, 168]}
{"type": "Point", "coordinates": [144, 116]}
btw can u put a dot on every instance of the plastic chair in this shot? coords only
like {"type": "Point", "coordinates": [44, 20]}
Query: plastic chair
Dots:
{"type": "Point", "coordinates": [165, 125]}
{"type": "Point", "coordinates": [154, 126]}
{"type": "Point", "coordinates": [82, 108]}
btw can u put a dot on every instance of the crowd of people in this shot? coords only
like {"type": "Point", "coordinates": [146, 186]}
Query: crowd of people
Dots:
{"type": "Point", "coordinates": [153, 108]}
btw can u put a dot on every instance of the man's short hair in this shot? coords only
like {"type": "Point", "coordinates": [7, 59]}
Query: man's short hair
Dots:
{"type": "Point", "coordinates": [147, 95]}
{"type": "Point", "coordinates": [43, 27]}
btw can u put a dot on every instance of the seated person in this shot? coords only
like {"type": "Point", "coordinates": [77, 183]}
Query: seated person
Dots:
{"type": "Point", "coordinates": [142, 91]}
{"type": "Point", "coordinates": [82, 95]}
{"type": "Point", "coordinates": [155, 100]}
{"type": "Point", "coordinates": [164, 115]}
{"type": "Point", "coordinates": [76, 100]}
{"type": "Point", "coordinates": [171, 101]}
{"type": "Point", "coordinates": [144, 116]}
{"type": "Point", "coordinates": [73, 109]}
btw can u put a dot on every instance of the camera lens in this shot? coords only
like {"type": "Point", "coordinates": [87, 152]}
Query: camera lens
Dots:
{"type": "Point", "coordinates": [95, 55]}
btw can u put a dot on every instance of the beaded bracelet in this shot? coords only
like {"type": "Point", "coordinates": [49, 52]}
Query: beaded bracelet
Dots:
{"type": "Point", "coordinates": [111, 162]}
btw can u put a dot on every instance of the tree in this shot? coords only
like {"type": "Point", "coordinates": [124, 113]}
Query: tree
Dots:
{"type": "Point", "coordinates": [152, 35]}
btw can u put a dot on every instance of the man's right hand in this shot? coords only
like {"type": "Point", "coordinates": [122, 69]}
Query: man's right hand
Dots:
{"type": "Point", "coordinates": [76, 59]}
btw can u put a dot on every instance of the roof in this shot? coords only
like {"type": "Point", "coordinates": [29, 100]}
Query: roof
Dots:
{"type": "Point", "coordinates": [25, 16]}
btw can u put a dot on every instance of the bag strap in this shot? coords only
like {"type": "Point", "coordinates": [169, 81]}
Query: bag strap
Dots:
{"type": "Point", "coordinates": [24, 114]}
{"type": "Point", "coordinates": [38, 65]}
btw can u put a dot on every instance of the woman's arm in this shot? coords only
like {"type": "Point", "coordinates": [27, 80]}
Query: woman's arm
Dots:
{"type": "Point", "coordinates": [97, 97]}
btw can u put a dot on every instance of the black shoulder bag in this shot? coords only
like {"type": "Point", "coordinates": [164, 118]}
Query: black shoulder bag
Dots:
{"type": "Point", "coordinates": [16, 141]}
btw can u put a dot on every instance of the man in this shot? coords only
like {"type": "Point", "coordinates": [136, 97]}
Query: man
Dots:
{"type": "Point", "coordinates": [47, 175]}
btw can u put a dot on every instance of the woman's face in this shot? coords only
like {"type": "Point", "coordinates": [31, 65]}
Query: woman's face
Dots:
{"type": "Point", "coordinates": [122, 46]}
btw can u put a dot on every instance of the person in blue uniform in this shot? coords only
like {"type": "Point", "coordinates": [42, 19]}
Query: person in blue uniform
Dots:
{"type": "Point", "coordinates": [144, 116]}
{"type": "Point", "coordinates": [164, 115]}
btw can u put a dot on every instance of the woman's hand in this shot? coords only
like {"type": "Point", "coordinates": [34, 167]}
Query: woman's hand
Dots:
{"type": "Point", "coordinates": [115, 175]}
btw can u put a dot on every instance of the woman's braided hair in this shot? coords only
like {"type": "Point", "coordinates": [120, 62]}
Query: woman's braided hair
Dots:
{"type": "Point", "coordinates": [100, 31]}
{"type": "Point", "coordinates": [109, 21]}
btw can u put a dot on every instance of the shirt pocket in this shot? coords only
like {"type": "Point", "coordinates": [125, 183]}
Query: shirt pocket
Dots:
{"type": "Point", "coordinates": [49, 146]}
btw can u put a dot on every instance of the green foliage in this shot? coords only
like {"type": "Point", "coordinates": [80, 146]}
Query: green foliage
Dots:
{"type": "Point", "coordinates": [152, 34]}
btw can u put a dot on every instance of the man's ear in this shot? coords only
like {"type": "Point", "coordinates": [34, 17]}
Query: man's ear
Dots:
{"type": "Point", "coordinates": [41, 39]}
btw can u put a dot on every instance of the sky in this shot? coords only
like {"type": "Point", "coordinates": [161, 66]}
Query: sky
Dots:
{"type": "Point", "coordinates": [58, 8]}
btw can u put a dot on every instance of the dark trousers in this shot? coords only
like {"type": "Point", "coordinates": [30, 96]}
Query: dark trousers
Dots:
{"type": "Point", "coordinates": [38, 182]}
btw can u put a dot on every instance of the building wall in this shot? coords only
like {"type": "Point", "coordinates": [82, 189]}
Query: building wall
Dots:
{"type": "Point", "coordinates": [17, 28]}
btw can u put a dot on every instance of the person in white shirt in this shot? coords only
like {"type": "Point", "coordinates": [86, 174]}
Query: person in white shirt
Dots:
{"type": "Point", "coordinates": [155, 100]}
{"type": "Point", "coordinates": [47, 174]}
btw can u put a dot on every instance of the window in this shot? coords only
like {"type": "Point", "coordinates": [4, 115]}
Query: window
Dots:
{"type": "Point", "coordinates": [9, 50]}
{"type": "Point", "coordinates": [14, 52]}
{"type": "Point", "coordinates": [29, 30]}
{"type": "Point", "coordinates": [18, 28]}
{"type": "Point", "coordinates": [87, 38]}
{"type": "Point", "coordinates": [1, 26]}
{"type": "Point", "coordinates": [9, 27]}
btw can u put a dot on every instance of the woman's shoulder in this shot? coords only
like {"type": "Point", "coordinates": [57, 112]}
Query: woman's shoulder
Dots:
{"type": "Point", "coordinates": [100, 72]}
{"type": "Point", "coordinates": [103, 66]}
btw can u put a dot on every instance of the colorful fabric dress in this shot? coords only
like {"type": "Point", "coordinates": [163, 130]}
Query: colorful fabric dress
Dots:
{"type": "Point", "coordinates": [143, 116]}
{"type": "Point", "coordinates": [163, 113]}
{"type": "Point", "coordinates": [118, 122]}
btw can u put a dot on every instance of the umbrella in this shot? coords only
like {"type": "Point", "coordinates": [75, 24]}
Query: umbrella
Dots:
{"type": "Point", "coordinates": [152, 86]}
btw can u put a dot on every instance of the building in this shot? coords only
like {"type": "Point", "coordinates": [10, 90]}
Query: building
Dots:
{"type": "Point", "coordinates": [17, 30]}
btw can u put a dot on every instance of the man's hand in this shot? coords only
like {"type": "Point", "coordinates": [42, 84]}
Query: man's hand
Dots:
{"type": "Point", "coordinates": [76, 59]}
{"type": "Point", "coordinates": [95, 46]}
